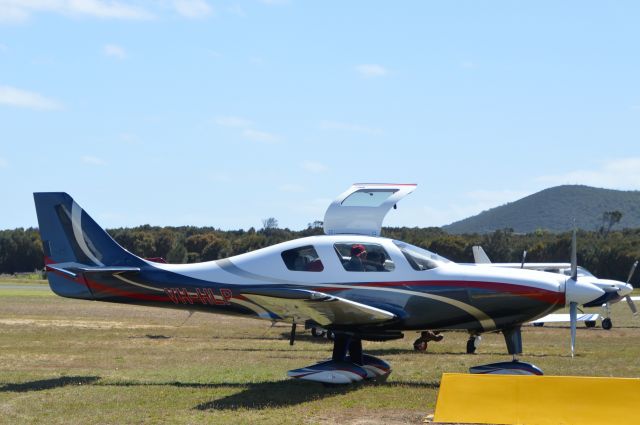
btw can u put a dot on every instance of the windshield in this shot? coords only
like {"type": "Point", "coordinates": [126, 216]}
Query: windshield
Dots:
{"type": "Point", "coordinates": [419, 258]}
{"type": "Point", "coordinates": [581, 272]}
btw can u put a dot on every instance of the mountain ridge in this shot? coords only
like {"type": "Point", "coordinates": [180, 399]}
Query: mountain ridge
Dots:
{"type": "Point", "coordinates": [554, 209]}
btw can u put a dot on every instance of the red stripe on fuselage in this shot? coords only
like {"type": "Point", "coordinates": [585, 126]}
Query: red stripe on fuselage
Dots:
{"type": "Point", "coordinates": [92, 284]}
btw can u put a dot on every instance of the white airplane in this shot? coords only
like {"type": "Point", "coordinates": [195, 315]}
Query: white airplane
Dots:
{"type": "Point", "coordinates": [351, 281]}
{"type": "Point", "coordinates": [614, 290]}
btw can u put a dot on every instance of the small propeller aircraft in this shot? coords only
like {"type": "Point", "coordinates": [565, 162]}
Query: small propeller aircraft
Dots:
{"type": "Point", "coordinates": [351, 281]}
{"type": "Point", "coordinates": [614, 290]}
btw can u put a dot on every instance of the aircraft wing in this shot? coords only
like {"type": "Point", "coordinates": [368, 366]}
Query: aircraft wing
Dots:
{"type": "Point", "coordinates": [300, 305]}
{"type": "Point", "coordinates": [560, 318]}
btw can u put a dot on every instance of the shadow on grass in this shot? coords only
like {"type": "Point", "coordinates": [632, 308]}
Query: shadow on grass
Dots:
{"type": "Point", "coordinates": [306, 338]}
{"type": "Point", "coordinates": [260, 395]}
{"type": "Point", "coordinates": [157, 336]}
{"type": "Point", "coordinates": [267, 395]}
{"type": "Point", "coordinates": [48, 384]}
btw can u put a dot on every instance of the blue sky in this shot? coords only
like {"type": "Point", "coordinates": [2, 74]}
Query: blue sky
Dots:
{"type": "Point", "coordinates": [223, 113]}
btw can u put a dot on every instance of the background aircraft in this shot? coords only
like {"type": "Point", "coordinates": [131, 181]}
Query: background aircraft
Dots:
{"type": "Point", "coordinates": [614, 290]}
{"type": "Point", "coordinates": [350, 281]}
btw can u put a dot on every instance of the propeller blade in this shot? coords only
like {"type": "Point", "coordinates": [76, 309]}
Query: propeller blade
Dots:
{"type": "Point", "coordinates": [573, 314]}
{"type": "Point", "coordinates": [632, 305]}
{"type": "Point", "coordinates": [524, 256]}
{"type": "Point", "coordinates": [574, 256]}
{"type": "Point", "coordinates": [633, 269]}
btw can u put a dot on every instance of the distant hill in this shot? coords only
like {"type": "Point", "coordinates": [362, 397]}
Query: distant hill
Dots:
{"type": "Point", "coordinates": [554, 209]}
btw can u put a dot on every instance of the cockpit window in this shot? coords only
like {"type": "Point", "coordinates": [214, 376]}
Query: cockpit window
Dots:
{"type": "Point", "coordinates": [303, 259]}
{"type": "Point", "coordinates": [368, 197]}
{"type": "Point", "coordinates": [581, 272]}
{"type": "Point", "coordinates": [419, 258]}
{"type": "Point", "coordinates": [364, 257]}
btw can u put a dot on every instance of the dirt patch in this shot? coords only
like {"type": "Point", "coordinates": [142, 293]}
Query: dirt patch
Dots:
{"type": "Point", "coordinates": [369, 417]}
{"type": "Point", "coordinates": [82, 324]}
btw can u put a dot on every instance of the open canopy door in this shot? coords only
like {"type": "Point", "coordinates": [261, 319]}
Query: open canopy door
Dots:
{"type": "Point", "coordinates": [361, 209]}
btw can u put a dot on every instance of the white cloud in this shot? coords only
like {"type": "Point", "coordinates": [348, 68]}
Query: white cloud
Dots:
{"type": "Point", "coordinates": [236, 9]}
{"type": "Point", "coordinates": [92, 160]}
{"type": "Point", "coordinates": [274, 2]}
{"type": "Point", "coordinates": [313, 166]}
{"type": "Point", "coordinates": [25, 99]}
{"type": "Point", "coordinates": [193, 8]}
{"type": "Point", "coordinates": [3, 48]}
{"type": "Point", "coordinates": [622, 173]}
{"type": "Point", "coordinates": [247, 130]}
{"type": "Point", "coordinates": [21, 10]}
{"type": "Point", "coordinates": [260, 136]}
{"type": "Point", "coordinates": [3, 163]}
{"type": "Point", "coordinates": [292, 188]}
{"type": "Point", "coordinates": [371, 70]}
{"type": "Point", "coordinates": [114, 51]}
{"type": "Point", "coordinates": [231, 121]}
{"type": "Point", "coordinates": [335, 125]}
{"type": "Point", "coordinates": [469, 65]}
{"type": "Point", "coordinates": [12, 13]}
{"type": "Point", "coordinates": [129, 138]}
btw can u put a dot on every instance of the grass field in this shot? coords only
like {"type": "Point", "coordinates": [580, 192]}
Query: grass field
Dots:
{"type": "Point", "coordinates": [68, 361]}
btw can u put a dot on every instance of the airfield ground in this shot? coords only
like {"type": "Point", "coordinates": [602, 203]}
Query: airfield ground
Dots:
{"type": "Point", "coordinates": [68, 361]}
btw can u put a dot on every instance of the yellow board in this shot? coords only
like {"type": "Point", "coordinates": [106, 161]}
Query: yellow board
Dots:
{"type": "Point", "coordinates": [539, 400]}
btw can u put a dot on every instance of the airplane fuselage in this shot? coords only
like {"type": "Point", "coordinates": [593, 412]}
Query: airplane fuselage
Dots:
{"type": "Point", "coordinates": [446, 296]}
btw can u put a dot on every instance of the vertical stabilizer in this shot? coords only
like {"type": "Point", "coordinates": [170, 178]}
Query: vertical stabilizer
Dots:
{"type": "Point", "coordinates": [479, 256]}
{"type": "Point", "coordinates": [70, 235]}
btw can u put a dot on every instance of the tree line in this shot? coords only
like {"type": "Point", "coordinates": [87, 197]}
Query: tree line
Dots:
{"type": "Point", "coordinates": [607, 255]}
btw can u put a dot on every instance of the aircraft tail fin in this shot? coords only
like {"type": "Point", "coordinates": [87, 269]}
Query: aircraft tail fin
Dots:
{"type": "Point", "coordinates": [70, 235]}
{"type": "Point", "coordinates": [479, 256]}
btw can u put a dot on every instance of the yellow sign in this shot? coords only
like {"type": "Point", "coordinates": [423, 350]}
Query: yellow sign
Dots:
{"type": "Point", "coordinates": [539, 400]}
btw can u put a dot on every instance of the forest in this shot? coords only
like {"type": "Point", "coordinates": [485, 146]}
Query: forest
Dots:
{"type": "Point", "coordinates": [606, 254]}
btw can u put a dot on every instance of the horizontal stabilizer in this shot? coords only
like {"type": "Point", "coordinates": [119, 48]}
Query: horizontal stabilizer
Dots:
{"type": "Point", "coordinates": [299, 305]}
{"type": "Point", "coordinates": [73, 269]}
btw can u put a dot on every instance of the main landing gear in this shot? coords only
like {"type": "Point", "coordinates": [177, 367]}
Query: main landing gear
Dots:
{"type": "Point", "coordinates": [421, 343]}
{"type": "Point", "coordinates": [513, 338]}
{"type": "Point", "coordinates": [348, 364]}
{"type": "Point", "coordinates": [473, 343]}
{"type": "Point", "coordinates": [606, 322]}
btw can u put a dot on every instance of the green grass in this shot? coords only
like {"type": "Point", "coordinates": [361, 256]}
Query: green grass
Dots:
{"type": "Point", "coordinates": [23, 278]}
{"type": "Point", "coordinates": [71, 361]}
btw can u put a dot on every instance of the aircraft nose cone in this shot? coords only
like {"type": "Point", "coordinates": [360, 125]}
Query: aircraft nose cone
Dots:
{"type": "Point", "coordinates": [581, 292]}
{"type": "Point", "coordinates": [625, 290]}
